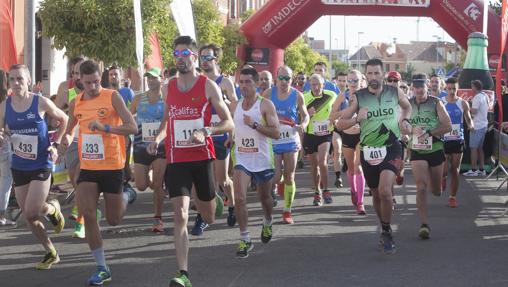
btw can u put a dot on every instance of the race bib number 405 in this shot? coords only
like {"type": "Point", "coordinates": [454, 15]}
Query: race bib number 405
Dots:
{"type": "Point", "coordinates": [24, 146]}
{"type": "Point", "coordinates": [182, 131]}
{"type": "Point", "coordinates": [149, 131]}
{"type": "Point", "coordinates": [374, 155]}
{"type": "Point", "coordinates": [92, 147]}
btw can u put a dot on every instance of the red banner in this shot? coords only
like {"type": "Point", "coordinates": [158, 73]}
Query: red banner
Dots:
{"type": "Point", "coordinates": [8, 54]}
{"type": "Point", "coordinates": [504, 30]}
{"type": "Point", "coordinates": [155, 57]}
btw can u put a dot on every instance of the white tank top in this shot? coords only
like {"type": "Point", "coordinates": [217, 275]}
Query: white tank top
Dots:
{"type": "Point", "coordinates": [253, 150]}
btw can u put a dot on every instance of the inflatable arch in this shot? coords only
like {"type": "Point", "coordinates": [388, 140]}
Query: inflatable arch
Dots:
{"type": "Point", "coordinates": [271, 29]}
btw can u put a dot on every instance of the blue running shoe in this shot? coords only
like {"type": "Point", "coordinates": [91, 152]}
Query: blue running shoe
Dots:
{"type": "Point", "coordinates": [386, 242]}
{"type": "Point", "coordinates": [132, 195]}
{"type": "Point", "coordinates": [103, 274]}
{"type": "Point", "coordinates": [199, 226]}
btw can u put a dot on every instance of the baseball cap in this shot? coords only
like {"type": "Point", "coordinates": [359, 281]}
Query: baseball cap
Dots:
{"type": "Point", "coordinates": [153, 72]}
{"type": "Point", "coordinates": [394, 75]}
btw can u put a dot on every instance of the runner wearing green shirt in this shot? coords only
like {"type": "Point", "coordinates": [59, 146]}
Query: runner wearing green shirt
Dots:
{"type": "Point", "coordinates": [318, 136]}
{"type": "Point", "coordinates": [430, 122]}
{"type": "Point", "coordinates": [380, 129]}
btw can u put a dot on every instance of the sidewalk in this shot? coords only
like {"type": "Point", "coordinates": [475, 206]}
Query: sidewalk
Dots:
{"type": "Point", "coordinates": [328, 246]}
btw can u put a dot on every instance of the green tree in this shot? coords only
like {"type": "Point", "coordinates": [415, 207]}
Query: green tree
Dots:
{"type": "Point", "coordinates": [233, 38]}
{"type": "Point", "coordinates": [300, 57]}
{"type": "Point", "coordinates": [102, 30]}
{"type": "Point", "coordinates": [207, 21]}
{"type": "Point", "coordinates": [339, 66]}
{"type": "Point", "coordinates": [408, 74]}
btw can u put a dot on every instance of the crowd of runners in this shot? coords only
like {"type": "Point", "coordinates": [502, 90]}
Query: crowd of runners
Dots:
{"type": "Point", "coordinates": [198, 135]}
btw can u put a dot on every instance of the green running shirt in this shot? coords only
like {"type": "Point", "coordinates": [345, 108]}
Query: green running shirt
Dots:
{"type": "Point", "coordinates": [424, 115]}
{"type": "Point", "coordinates": [319, 123]}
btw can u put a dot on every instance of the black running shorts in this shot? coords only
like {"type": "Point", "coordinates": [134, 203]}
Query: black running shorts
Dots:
{"type": "Point", "coordinates": [181, 176]}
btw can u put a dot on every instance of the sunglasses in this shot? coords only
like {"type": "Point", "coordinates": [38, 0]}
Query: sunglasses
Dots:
{"type": "Point", "coordinates": [284, 78]}
{"type": "Point", "coordinates": [182, 53]}
{"type": "Point", "coordinates": [353, 81]}
{"type": "Point", "coordinates": [207, 58]}
{"type": "Point", "coordinates": [392, 81]}
{"type": "Point", "coordinates": [404, 87]}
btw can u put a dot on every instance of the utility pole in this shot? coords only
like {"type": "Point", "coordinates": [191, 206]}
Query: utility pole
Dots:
{"type": "Point", "coordinates": [30, 37]}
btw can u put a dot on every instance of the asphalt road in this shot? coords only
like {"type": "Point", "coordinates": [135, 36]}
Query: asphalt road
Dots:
{"type": "Point", "coordinates": [327, 246]}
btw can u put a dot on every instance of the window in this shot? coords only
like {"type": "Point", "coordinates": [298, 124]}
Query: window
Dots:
{"type": "Point", "coordinates": [232, 9]}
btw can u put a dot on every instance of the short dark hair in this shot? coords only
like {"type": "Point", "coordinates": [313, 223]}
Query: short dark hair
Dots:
{"type": "Point", "coordinates": [375, 62]}
{"type": "Point", "coordinates": [250, 71]}
{"type": "Point", "coordinates": [451, 80]}
{"type": "Point", "coordinates": [433, 76]}
{"type": "Point", "coordinates": [185, 40]}
{"type": "Point", "coordinates": [320, 64]}
{"type": "Point", "coordinates": [114, 67]}
{"type": "Point", "coordinates": [419, 76]}
{"type": "Point", "coordinates": [341, 74]}
{"type": "Point", "coordinates": [477, 84]}
{"type": "Point", "coordinates": [76, 60]}
{"type": "Point", "coordinates": [89, 67]}
{"type": "Point", "coordinates": [217, 51]}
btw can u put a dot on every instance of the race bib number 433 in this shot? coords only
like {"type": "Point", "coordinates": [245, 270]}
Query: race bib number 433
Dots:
{"type": "Point", "coordinates": [92, 147]}
{"type": "Point", "coordinates": [24, 146]}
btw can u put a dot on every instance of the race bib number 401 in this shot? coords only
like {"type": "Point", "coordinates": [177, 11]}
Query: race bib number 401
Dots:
{"type": "Point", "coordinates": [24, 146]}
{"type": "Point", "coordinates": [182, 131]}
{"type": "Point", "coordinates": [374, 155]}
{"type": "Point", "coordinates": [92, 147]}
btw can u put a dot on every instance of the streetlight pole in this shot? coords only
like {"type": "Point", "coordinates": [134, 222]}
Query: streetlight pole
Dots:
{"type": "Point", "coordinates": [437, 54]}
{"type": "Point", "coordinates": [359, 51]}
{"type": "Point", "coordinates": [330, 48]}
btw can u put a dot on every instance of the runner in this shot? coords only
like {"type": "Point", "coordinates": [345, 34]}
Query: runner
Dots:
{"type": "Point", "coordinates": [458, 110]}
{"type": "Point", "coordinates": [289, 104]}
{"type": "Point", "coordinates": [148, 107]}
{"type": "Point", "coordinates": [376, 109]}
{"type": "Point", "coordinates": [351, 138]}
{"type": "Point", "coordinates": [22, 120]}
{"type": "Point", "coordinates": [320, 69]}
{"type": "Point", "coordinates": [341, 81]}
{"type": "Point", "coordinates": [103, 121]}
{"type": "Point", "coordinates": [436, 87]}
{"type": "Point", "coordinates": [256, 124]}
{"type": "Point", "coordinates": [209, 57]}
{"type": "Point", "coordinates": [318, 135]}
{"type": "Point", "coordinates": [189, 147]}
{"type": "Point", "coordinates": [430, 122]}
{"type": "Point", "coordinates": [265, 81]}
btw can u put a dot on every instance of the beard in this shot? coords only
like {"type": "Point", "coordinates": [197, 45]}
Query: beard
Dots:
{"type": "Point", "coordinates": [375, 84]}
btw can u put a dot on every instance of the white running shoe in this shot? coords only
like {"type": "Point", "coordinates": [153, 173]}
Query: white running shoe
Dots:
{"type": "Point", "coordinates": [471, 173]}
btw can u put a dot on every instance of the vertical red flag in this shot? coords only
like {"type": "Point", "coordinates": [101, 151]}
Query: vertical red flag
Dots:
{"type": "Point", "coordinates": [8, 54]}
{"type": "Point", "coordinates": [155, 57]}
{"type": "Point", "coordinates": [504, 30]}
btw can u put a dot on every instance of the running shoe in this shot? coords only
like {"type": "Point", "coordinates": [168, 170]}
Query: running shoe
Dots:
{"type": "Point", "coordinates": [219, 206]}
{"type": "Point", "coordinates": [199, 226]}
{"type": "Point", "coordinates": [470, 173]}
{"type": "Point", "coordinates": [266, 233]}
{"type": "Point", "coordinates": [103, 274]}
{"type": "Point", "coordinates": [338, 182]}
{"type": "Point", "coordinates": [274, 197]}
{"type": "Point", "coordinates": [360, 210]}
{"type": "Point", "coordinates": [399, 180]}
{"type": "Point", "coordinates": [48, 260]}
{"type": "Point", "coordinates": [79, 230]}
{"type": "Point", "coordinates": [132, 195]}
{"type": "Point", "coordinates": [424, 232]}
{"type": "Point", "coordinates": [6, 222]}
{"type": "Point", "coordinates": [231, 216]}
{"type": "Point", "coordinates": [57, 218]}
{"type": "Point", "coordinates": [394, 204]}
{"type": "Point", "coordinates": [158, 225]}
{"type": "Point", "coordinates": [180, 280]}
{"type": "Point", "coordinates": [327, 196]}
{"type": "Point", "coordinates": [354, 197]}
{"type": "Point", "coordinates": [287, 218]}
{"type": "Point", "coordinates": [452, 202]}
{"type": "Point", "coordinates": [386, 242]}
{"type": "Point", "coordinates": [317, 200]}
{"type": "Point", "coordinates": [244, 248]}
{"type": "Point", "coordinates": [443, 184]}
{"type": "Point", "coordinates": [74, 213]}
{"type": "Point", "coordinates": [482, 173]}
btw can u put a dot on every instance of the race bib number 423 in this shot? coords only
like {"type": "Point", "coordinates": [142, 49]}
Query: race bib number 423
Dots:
{"type": "Point", "coordinates": [24, 146]}
{"type": "Point", "coordinates": [92, 147]}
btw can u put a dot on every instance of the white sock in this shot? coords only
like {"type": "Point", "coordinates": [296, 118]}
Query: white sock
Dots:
{"type": "Point", "coordinates": [98, 255]}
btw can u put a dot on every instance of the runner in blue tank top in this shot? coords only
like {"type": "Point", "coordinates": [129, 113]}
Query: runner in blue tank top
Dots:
{"type": "Point", "coordinates": [22, 117]}
{"type": "Point", "coordinates": [149, 110]}
{"type": "Point", "coordinates": [290, 105]}
{"type": "Point", "coordinates": [209, 56]}
{"type": "Point", "coordinates": [458, 110]}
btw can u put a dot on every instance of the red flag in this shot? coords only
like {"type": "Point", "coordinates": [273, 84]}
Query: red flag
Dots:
{"type": "Point", "coordinates": [504, 30]}
{"type": "Point", "coordinates": [155, 57]}
{"type": "Point", "coordinates": [8, 54]}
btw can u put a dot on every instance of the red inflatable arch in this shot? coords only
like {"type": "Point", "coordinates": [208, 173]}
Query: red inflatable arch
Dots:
{"type": "Point", "coordinates": [271, 29]}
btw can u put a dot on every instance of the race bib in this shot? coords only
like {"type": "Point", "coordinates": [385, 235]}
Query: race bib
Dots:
{"type": "Point", "coordinates": [374, 155]}
{"type": "Point", "coordinates": [92, 147]}
{"type": "Point", "coordinates": [421, 143]}
{"type": "Point", "coordinates": [454, 134]}
{"type": "Point", "coordinates": [182, 131]}
{"type": "Point", "coordinates": [149, 131]}
{"type": "Point", "coordinates": [287, 134]}
{"type": "Point", "coordinates": [321, 127]}
{"type": "Point", "coordinates": [247, 141]}
{"type": "Point", "coordinates": [24, 146]}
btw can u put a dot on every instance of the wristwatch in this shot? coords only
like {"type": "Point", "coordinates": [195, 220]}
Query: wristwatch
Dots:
{"type": "Point", "coordinates": [255, 125]}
